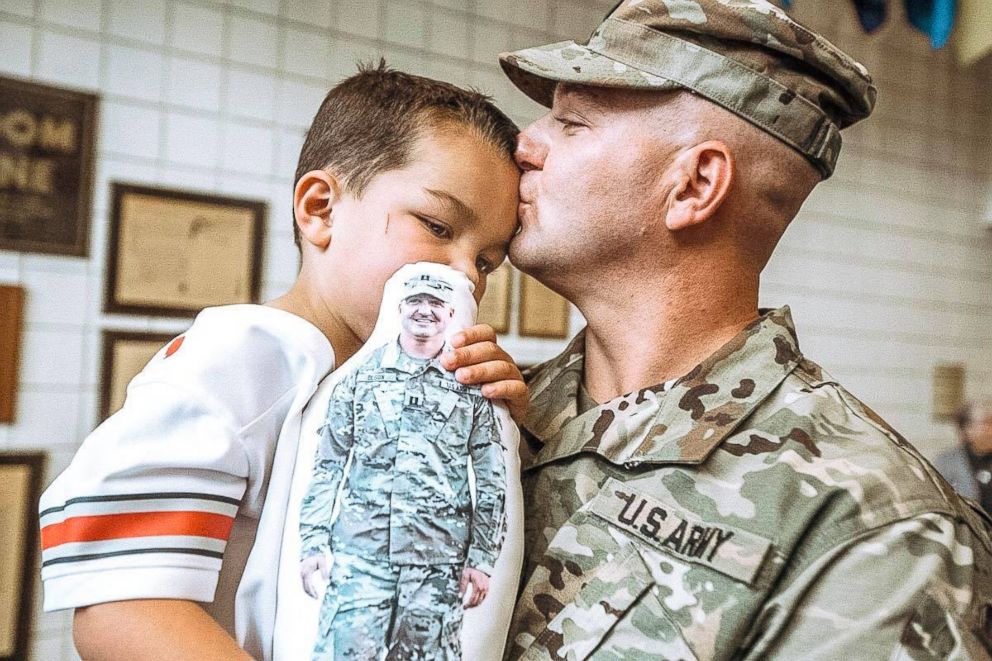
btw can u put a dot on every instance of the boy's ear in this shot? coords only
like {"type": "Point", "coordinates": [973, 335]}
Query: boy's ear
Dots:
{"type": "Point", "coordinates": [704, 175]}
{"type": "Point", "coordinates": [314, 198]}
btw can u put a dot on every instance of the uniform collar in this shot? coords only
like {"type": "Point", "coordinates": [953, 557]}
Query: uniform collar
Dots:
{"type": "Point", "coordinates": [394, 357]}
{"type": "Point", "coordinates": [682, 423]}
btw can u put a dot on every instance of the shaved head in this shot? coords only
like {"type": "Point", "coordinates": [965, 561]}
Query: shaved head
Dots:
{"type": "Point", "coordinates": [772, 181]}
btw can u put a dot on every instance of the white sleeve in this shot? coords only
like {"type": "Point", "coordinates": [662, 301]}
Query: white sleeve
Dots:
{"type": "Point", "coordinates": [146, 507]}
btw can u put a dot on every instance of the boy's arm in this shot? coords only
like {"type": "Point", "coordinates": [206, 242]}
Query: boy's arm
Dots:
{"type": "Point", "coordinates": [145, 510]}
{"type": "Point", "coordinates": [151, 629]}
{"type": "Point", "coordinates": [478, 360]}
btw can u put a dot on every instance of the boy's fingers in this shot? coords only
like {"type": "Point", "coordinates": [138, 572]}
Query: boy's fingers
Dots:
{"type": "Point", "coordinates": [474, 354]}
{"type": "Point", "coordinates": [488, 372]}
{"type": "Point", "coordinates": [508, 389]}
{"type": "Point", "coordinates": [473, 334]}
{"type": "Point", "coordinates": [514, 393]}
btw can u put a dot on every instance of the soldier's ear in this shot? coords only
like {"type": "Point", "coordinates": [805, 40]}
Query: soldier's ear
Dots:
{"type": "Point", "coordinates": [703, 177]}
{"type": "Point", "coordinates": [314, 198]}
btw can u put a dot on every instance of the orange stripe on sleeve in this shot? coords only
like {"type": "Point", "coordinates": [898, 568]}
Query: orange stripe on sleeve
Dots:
{"type": "Point", "coordinates": [138, 524]}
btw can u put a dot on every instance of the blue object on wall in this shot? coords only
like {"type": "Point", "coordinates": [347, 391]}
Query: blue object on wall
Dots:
{"type": "Point", "coordinates": [871, 13]}
{"type": "Point", "coordinates": [934, 18]}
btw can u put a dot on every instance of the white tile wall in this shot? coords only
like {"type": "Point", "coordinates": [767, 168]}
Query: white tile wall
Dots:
{"type": "Point", "coordinates": [75, 14]}
{"type": "Point", "coordinates": [133, 72]}
{"type": "Point", "coordinates": [887, 269]}
{"type": "Point", "coordinates": [192, 140]}
{"type": "Point", "coordinates": [306, 52]}
{"type": "Point", "coordinates": [250, 94]}
{"type": "Point", "coordinates": [130, 130]}
{"type": "Point", "coordinates": [197, 28]}
{"type": "Point", "coordinates": [253, 41]}
{"type": "Point", "coordinates": [15, 48]}
{"type": "Point", "coordinates": [312, 12]}
{"type": "Point", "coordinates": [67, 59]}
{"type": "Point", "coordinates": [143, 20]}
{"type": "Point", "coordinates": [193, 83]}
{"type": "Point", "coordinates": [359, 17]}
{"type": "Point", "coordinates": [24, 8]}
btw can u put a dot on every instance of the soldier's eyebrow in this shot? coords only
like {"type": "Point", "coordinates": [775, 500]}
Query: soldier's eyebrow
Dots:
{"type": "Point", "coordinates": [575, 98]}
{"type": "Point", "coordinates": [452, 204]}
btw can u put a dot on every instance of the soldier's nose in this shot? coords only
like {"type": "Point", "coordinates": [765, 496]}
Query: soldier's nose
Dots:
{"type": "Point", "coordinates": [530, 151]}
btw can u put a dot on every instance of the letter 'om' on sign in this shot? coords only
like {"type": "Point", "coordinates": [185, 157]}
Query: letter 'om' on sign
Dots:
{"type": "Point", "coordinates": [46, 167]}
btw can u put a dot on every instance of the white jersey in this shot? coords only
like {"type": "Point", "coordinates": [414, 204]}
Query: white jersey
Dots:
{"type": "Point", "coordinates": [163, 499]}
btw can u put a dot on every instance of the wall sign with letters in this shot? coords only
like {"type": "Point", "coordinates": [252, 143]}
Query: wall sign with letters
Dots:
{"type": "Point", "coordinates": [46, 167]}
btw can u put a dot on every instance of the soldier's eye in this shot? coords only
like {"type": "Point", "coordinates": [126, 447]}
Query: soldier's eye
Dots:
{"type": "Point", "coordinates": [568, 124]}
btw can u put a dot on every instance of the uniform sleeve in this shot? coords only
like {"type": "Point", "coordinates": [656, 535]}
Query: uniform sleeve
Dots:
{"type": "Point", "coordinates": [146, 506]}
{"type": "Point", "coordinates": [488, 521]}
{"type": "Point", "coordinates": [902, 592]}
{"type": "Point", "coordinates": [337, 437]}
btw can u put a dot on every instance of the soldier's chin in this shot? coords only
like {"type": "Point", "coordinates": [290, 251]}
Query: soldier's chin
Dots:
{"type": "Point", "coordinates": [524, 253]}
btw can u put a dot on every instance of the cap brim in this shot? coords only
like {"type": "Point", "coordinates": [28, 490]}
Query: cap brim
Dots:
{"type": "Point", "coordinates": [536, 71]}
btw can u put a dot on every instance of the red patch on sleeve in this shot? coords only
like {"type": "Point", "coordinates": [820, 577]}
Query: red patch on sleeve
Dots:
{"type": "Point", "coordinates": [174, 345]}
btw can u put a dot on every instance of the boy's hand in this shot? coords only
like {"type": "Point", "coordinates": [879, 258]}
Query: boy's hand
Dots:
{"type": "Point", "coordinates": [476, 359]}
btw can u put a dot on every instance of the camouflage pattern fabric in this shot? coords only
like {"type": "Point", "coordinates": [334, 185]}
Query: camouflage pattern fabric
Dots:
{"type": "Point", "coordinates": [748, 56]}
{"type": "Point", "coordinates": [752, 509]}
{"type": "Point", "coordinates": [373, 611]}
{"type": "Point", "coordinates": [412, 431]}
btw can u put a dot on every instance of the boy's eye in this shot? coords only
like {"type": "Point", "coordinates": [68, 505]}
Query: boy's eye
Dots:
{"type": "Point", "coordinates": [485, 266]}
{"type": "Point", "coordinates": [436, 228]}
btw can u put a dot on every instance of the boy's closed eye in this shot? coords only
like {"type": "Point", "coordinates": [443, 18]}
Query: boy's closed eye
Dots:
{"type": "Point", "coordinates": [436, 227]}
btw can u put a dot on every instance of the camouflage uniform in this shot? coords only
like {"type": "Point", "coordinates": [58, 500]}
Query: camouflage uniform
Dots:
{"type": "Point", "coordinates": [751, 509]}
{"type": "Point", "coordinates": [407, 526]}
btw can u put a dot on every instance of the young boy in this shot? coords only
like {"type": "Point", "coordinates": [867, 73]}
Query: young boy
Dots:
{"type": "Point", "coordinates": [395, 169]}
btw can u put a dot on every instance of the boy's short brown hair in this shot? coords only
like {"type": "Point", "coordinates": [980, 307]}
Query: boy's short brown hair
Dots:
{"type": "Point", "coordinates": [368, 123]}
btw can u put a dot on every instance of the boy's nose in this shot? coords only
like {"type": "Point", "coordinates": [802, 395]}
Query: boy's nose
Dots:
{"type": "Point", "coordinates": [467, 266]}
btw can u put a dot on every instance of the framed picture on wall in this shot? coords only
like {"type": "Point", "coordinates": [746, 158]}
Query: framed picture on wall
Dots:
{"type": "Point", "coordinates": [495, 306]}
{"type": "Point", "coordinates": [543, 313]}
{"type": "Point", "coordinates": [125, 353]}
{"type": "Point", "coordinates": [46, 167]}
{"type": "Point", "coordinates": [11, 320]}
{"type": "Point", "coordinates": [20, 489]}
{"type": "Point", "coordinates": [173, 253]}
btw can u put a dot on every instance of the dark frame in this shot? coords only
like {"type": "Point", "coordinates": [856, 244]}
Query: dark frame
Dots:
{"type": "Point", "coordinates": [87, 118]}
{"type": "Point", "coordinates": [35, 462]}
{"type": "Point", "coordinates": [11, 332]}
{"type": "Point", "coordinates": [109, 339]}
{"type": "Point", "coordinates": [120, 190]}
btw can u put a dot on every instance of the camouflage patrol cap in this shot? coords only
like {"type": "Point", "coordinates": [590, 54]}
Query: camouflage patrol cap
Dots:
{"type": "Point", "coordinates": [431, 285]}
{"type": "Point", "coordinates": [745, 55]}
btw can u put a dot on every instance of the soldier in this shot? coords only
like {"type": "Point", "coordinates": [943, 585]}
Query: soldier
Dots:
{"type": "Point", "coordinates": [407, 542]}
{"type": "Point", "coordinates": [695, 487]}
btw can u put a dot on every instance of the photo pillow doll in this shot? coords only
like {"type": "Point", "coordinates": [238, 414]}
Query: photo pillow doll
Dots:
{"type": "Point", "coordinates": [403, 533]}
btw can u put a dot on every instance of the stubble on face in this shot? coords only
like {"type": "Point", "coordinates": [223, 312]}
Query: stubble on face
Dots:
{"type": "Point", "coordinates": [595, 195]}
